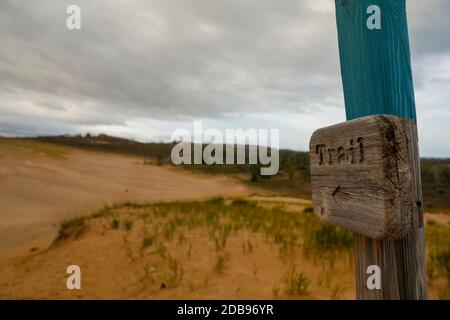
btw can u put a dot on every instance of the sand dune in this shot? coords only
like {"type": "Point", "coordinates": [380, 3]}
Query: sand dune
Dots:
{"type": "Point", "coordinates": [43, 184]}
{"type": "Point", "coordinates": [181, 261]}
{"type": "Point", "coordinates": [162, 254]}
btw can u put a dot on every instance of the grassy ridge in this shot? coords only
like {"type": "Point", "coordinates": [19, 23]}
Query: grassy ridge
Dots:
{"type": "Point", "coordinates": [293, 178]}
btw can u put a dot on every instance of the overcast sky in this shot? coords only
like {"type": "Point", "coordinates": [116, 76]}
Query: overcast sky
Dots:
{"type": "Point", "coordinates": [142, 68]}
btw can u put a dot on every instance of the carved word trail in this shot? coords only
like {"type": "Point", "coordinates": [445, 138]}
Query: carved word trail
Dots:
{"type": "Point", "coordinates": [353, 153]}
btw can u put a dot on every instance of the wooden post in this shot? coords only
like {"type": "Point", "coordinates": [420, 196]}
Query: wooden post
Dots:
{"type": "Point", "coordinates": [377, 79]}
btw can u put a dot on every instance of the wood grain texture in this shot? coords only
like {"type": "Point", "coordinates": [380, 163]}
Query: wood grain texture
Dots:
{"type": "Point", "coordinates": [361, 176]}
{"type": "Point", "coordinates": [402, 261]}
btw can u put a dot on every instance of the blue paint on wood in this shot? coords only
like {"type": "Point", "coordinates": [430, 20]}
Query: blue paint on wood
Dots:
{"type": "Point", "coordinates": [375, 64]}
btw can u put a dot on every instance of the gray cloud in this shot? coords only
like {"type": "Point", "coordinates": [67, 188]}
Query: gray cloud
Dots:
{"type": "Point", "coordinates": [180, 59]}
{"type": "Point", "coordinates": [172, 58]}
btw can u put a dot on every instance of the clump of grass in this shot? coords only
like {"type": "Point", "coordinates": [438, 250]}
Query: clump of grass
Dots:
{"type": "Point", "coordinates": [212, 217]}
{"type": "Point", "coordinates": [173, 278]}
{"type": "Point", "coordinates": [170, 227]}
{"type": "Point", "coordinates": [438, 252]}
{"type": "Point", "coordinates": [221, 260]}
{"type": "Point", "coordinates": [128, 248]}
{"type": "Point", "coordinates": [320, 238]}
{"type": "Point", "coordinates": [275, 291]}
{"type": "Point", "coordinates": [431, 223]}
{"type": "Point", "coordinates": [308, 210]}
{"type": "Point", "coordinates": [255, 269]}
{"type": "Point", "coordinates": [247, 246]}
{"type": "Point", "coordinates": [328, 267]}
{"type": "Point", "coordinates": [71, 229]}
{"type": "Point", "coordinates": [443, 259]}
{"type": "Point", "coordinates": [337, 291]}
{"type": "Point", "coordinates": [181, 238]}
{"type": "Point", "coordinates": [242, 202]}
{"type": "Point", "coordinates": [105, 211]}
{"type": "Point", "coordinates": [133, 205]}
{"type": "Point", "coordinates": [161, 250]}
{"type": "Point", "coordinates": [216, 200]}
{"type": "Point", "coordinates": [148, 241]}
{"type": "Point", "coordinates": [330, 237]}
{"type": "Point", "coordinates": [128, 225]}
{"type": "Point", "coordinates": [295, 282]}
{"type": "Point", "coordinates": [221, 237]}
{"type": "Point", "coordinates": [115, 224]}
{"type": "Point", "coordinates": [75, 222]}
{"type": "Point", "coordinates": [160, 211]}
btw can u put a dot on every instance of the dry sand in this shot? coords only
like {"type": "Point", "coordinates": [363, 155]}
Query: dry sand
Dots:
{"type": "Point", "coordinates": [113, 266]}
{"type": "Point", "coordinates": [43, 184]}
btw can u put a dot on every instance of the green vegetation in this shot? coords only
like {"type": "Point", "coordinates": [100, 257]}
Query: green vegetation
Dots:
{"type": "Point", "coordinates": [436, 184]}
{"type": "Point", "coordinates": [295, 282]}
{"type": "Point", "coordinates": [443, 259]}
{"type": "Point", "coordinates": [106, 211]}
{"type": "Point", "coordinates": [328, 237]}
{"type": "Point", "coordinates": [438, 254]}
{"type": "Point", "coordinates": [291, 233]}
{"type": "Point", "coordinates": [148, 241]}
{"type": "Point", "coordinates": [222, 258]}
{"type": "Point", "coordinates": [71, 229]}
{"type": "Point", "coordinates": [290, 230]}
{"type": "Point", "coordinates": [128, 225]}
{"type": "Point", "coordinates": [173, 277]}
{"type": "Point", "coordinates": [115, 223]}
{"type": "Point", "coordinates": [218, 219]}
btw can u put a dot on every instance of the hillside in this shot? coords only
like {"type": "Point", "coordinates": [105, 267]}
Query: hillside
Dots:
{"type": "Point", "coordinates": [140, 228]}
{"type": "Point", "coordinates": [43, 184]}
{"type": "Point", "coordinates": [293, 178]}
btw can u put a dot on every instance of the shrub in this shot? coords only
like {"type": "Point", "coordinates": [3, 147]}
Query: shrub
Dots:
{"type": "Point", "coordinates": [71, 228]}
{"type": "Point", "coordinates": [443, 260]}
{"type": "Point", "coordinates": [308, 210]}
{"type": "Point", "coordinates": [295, 283]}
{"type": "Point", "coordinates": [220, 262]}
{"type": "Point", "coordinates": [148, 241]}
{"type": "Point", "coordinates": [128, 225]}
{"type": "Point", "coordinates": [115, 223]}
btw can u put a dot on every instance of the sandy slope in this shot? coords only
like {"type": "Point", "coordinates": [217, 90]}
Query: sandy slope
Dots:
{"type": "Point", "coordinates": [115, 266]}
{"type": "Point", "coordinates": [43, 184]}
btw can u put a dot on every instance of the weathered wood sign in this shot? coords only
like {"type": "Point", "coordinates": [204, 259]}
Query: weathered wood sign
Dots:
{"type": "Point", "coordinates": [361, 176]}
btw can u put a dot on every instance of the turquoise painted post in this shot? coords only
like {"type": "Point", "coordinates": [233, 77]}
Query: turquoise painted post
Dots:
{"type": "Point", "coordinates": [377, 79]}
{"type": "Point", "coordinates": [375, 63]}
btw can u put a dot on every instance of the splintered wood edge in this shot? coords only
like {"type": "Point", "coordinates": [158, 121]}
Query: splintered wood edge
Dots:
{"type": "Point", "coordinates": [398, 170]}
